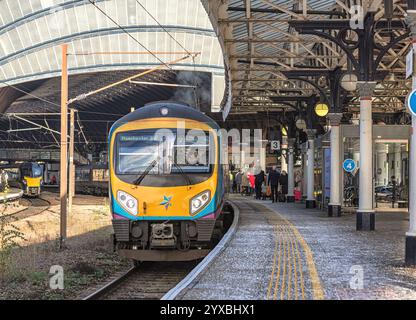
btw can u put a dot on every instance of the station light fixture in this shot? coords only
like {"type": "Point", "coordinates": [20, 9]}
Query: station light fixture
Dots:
{"type": "Point", "coordinates": [321, 109]}
{"type": "Point", "coordinates": [349, 82]}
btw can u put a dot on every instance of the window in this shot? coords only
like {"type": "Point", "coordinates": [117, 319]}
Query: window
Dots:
{"type": "Point", "coordinates": [164, 153]}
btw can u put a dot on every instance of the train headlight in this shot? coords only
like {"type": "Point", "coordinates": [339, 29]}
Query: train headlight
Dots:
{"type": "Point", "coordinates": [128, 202]}
{"type": "Point", "coordinates": [199, 202]}
{"type": "Point", "coordinates": [164, 111]}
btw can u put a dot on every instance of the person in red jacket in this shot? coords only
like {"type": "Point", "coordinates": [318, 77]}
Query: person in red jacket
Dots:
{"type": "Point", "coordinates": [252, 180]}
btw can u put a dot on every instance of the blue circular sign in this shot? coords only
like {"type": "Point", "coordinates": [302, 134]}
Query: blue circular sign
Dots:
{"type": "Point", "coordinates": [411, 102]}
{"type": "Point", "coordinates": [349, 165]}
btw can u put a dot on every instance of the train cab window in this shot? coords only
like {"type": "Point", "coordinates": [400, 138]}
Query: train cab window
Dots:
{"type": "Point", "coordinates": [26, 172]}
{"type": "Point", "coordinates": [36, 171]}
{"type": "Point", "coordinates": [32, 170]}
{"type": "Point", "coordinates": [192, 154]}
{"type": "Point", "coordinates": [164, 156]}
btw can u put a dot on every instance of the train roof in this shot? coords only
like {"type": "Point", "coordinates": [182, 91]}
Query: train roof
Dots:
{"type": "Point", "coordinates": [175, 110]}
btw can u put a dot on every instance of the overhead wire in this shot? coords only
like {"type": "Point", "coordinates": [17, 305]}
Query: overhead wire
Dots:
{"type": "Point", "coordinates": [134, 39]}
{"type": "Point", "coordinates": [128, 33]}
{"type": "Point", "coordinates": [174, 39]}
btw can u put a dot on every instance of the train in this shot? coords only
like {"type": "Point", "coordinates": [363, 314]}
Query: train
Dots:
{"type": "Point", "coordinates": [164, 206]}
{"type": "Point", "coordinates": [92, 179]}
{"type": "Point", "coordinates": [27, 176]}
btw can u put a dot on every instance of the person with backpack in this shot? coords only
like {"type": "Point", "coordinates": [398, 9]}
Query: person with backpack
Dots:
{"type": "Point", "coordinates": [259, 181]}
{"type": "Point", "coordinates": [284, 182]}
{"type": "Point", "coordinates": [273, 182]}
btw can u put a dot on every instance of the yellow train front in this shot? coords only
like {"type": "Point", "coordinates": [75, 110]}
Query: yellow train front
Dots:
{"type": "Point", "coordinates": [166, 183]}
{"type": "Point", "coordinates": [26, 176]}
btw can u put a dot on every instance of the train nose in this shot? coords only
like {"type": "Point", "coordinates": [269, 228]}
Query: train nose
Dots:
{"type": "Point", "coordinates": [162, 235]}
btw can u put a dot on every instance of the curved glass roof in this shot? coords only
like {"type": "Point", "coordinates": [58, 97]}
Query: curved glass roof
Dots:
{"type": "Point", "coordinates": [31, 32]}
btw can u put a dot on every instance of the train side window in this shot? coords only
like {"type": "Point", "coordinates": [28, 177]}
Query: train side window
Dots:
{"type": "Point", "coordinates": [100, 175]}
{"type": "Point", "coordinates": [82, 175]}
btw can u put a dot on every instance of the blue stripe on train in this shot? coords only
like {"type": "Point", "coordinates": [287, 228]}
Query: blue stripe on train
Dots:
{"type": "Point", "coordinates": [209, 209]}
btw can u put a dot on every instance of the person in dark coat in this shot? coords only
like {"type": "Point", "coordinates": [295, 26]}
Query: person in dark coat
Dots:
{"type": "Point", "coordinates": [273, 182]}
{"type": "Point", "coordinates": [283, 180]}
{"type": "Point", "coordinates": [258, 183]}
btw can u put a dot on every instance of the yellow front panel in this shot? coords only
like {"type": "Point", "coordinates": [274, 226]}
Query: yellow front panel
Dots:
{"type": "Point", "coordinates": [153, 197]}
{"type": "Point", "coordinates": [32, 182]}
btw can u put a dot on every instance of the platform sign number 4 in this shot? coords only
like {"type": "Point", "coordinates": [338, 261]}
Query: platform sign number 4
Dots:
{"type": "Point", "coordinates": [411, 102]}
{"type": "Point", "coordinates": [349, 165]}
{"type": "Point", "coordinates": [275, 145]}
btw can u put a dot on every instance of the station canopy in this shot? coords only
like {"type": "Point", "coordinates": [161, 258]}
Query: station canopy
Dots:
{"type": "Point", "coordinates": [108, 41]}
{"type": "Point", "coordinates": [272, 66]}
{"type": "Point", "coordinates": [265, 53]}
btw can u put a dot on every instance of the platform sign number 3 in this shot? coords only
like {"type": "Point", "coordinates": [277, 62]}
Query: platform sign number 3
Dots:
{"type": "Point", "coordinates": [275, 145]}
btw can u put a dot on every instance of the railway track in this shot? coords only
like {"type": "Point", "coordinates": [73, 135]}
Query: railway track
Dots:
{"type": "Point", "coordinates": [160, 280]}
{"type": "Point", "coordinates": [148, 281]}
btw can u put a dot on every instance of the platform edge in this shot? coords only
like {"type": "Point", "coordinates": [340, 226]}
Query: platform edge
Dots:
{"type": "Point", "coordinates": [206, 262]}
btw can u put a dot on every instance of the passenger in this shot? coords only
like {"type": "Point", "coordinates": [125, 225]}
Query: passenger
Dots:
{"type": "Point", "coordinates": [238, 180]}
{"type": "Point", "coordinates": [53, 180]}
{"type": "Point", "coordinates": [252, 179]}
{"type": "Point", "coordinates": [393, 184]}
{"type": "Point", "coordinates": [264, 188]}
{"type": "Point", "coordinates": [231, 181]}
{"type": "Point", "coordinates": [234, 182]}
{"type": "Point", "coordinates": [283, 180]}
{"type": "Point", "coordinates": [273, 182]}
{"type": "Point", "coordinates": [259, 181]}
{"type": "Point", "coordinates": [245, 184]}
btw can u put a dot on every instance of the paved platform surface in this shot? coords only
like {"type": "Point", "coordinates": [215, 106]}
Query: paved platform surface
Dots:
{"type": "Point", "coordinates": [11, 194]}
{"type": "Point", "coordinates": [266, 259]}
{"type": "Point", "coordinates": [283, 251]}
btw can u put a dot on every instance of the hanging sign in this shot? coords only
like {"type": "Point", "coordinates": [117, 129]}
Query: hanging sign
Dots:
{"type": "Point", "coordinates": [275, 145]}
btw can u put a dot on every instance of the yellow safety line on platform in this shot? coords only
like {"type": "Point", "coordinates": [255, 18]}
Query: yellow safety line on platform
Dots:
{"type": "Point", "coordinates": [318, 293]}
{"type": "Point", "coordinates": [276, 246]}
{"type": "Point", "coordinates": [279, 265]}
{"type": "Point", "coordinates": [295, 271]}
{"type": "Point", "coordinates": [302, 283]}
{"type": "Point", "coordinates": [288, 246]}
{"type": "Point", "coordinates": [282, 292]}
{"type": "Point", "coordinates": [289, 266]}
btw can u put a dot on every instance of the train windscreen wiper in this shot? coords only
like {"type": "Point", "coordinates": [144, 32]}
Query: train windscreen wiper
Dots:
{"type": "Point", "coordinates": [187, 178]}
{"type": "Point", "coordinates": [139, 180]}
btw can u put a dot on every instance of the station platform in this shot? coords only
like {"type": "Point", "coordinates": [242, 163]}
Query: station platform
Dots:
{"type": "Point", "coordinates": [12, 194]}
{"type": "Point", "coordinates": [284, 251]}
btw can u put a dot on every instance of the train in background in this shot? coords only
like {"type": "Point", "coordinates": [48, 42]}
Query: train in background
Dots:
{"type": "Point", "coordinates": [92, 179]}
{"type": "Point", "coordinates": [164, 209]}
{"type": "Point", "coordinates": [27, 176]}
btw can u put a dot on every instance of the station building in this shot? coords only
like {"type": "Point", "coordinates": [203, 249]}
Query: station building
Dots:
{"type": "Point", "coordinates": [325, 83]}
